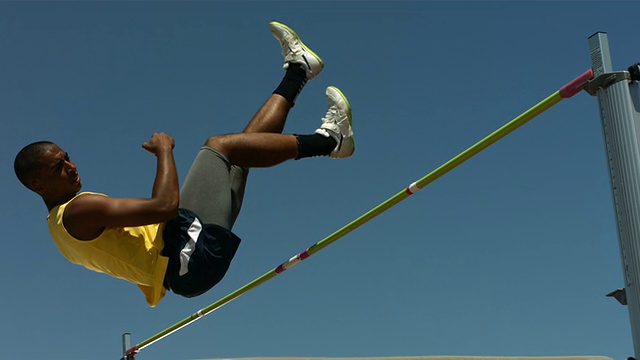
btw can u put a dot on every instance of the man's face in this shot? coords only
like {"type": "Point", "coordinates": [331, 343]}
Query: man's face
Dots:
{"type": "Point", "coordinates": [58, 176]}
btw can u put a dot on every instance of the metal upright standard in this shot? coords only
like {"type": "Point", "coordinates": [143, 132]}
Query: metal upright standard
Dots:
{"type": "Point", "coordinates": [619, 102]}
{"type": "Point", "coordinates": [126, 344]}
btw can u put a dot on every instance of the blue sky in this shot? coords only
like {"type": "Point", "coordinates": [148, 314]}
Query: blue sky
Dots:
{"type": "Point", "coordinates": [510, 254]}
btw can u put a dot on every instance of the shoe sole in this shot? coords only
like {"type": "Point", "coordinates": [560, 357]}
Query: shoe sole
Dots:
{"type": "Point", "coordinates": [344, 97]}
{"type": "Point", "coordinates": [305, 47]}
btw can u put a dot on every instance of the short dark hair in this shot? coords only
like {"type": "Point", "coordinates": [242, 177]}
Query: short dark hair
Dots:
{"type": "Point", "coordinates": [26, 163]}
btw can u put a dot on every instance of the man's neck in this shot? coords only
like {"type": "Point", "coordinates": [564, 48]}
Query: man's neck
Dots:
{"type": "Point", "coordinates": [51, 203]}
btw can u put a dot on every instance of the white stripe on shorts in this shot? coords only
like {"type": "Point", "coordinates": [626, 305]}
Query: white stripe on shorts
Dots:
{"type": "Point", "coordinates": [190, 246]}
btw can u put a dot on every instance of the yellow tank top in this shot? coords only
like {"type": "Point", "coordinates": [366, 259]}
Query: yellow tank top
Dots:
{"type": "Point", "coordinates": [129, 253]}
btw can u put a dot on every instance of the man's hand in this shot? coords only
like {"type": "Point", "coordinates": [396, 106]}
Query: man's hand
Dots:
{"type": "Point", "coordinates": [159, 142]}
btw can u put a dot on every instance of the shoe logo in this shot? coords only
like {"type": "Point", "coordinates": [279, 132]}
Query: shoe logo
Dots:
{"type": "Point", "coordinates": [340, 142]}
{"type": "Point", "coordinates": [306, 62]}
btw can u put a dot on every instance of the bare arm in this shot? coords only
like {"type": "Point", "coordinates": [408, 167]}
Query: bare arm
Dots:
{"type": "Point", "coordinates": [86, 216]}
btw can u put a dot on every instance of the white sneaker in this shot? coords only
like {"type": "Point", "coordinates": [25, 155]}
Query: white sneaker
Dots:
{"type": "Point", "coordinates": [295, 51]}
{"type": "Point", "coordinates": [337, 123]}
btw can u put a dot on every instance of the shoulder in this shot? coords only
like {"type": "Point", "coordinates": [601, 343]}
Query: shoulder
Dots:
{"type": "Point", "coordinates": [85, 195]}
{"type": "Point", "coordinates": [85, 201]}
{"type": "Point", "coordinates": [83, 215]}
{"type": "Point", "coordinates": [89, 193]}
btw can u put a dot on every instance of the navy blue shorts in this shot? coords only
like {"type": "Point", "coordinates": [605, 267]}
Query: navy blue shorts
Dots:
{"type": "Point", "coordinates": [199, 254]}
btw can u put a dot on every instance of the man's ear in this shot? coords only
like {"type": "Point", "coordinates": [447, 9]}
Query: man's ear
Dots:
{"type": "Point", "coordinates": [37, 185]}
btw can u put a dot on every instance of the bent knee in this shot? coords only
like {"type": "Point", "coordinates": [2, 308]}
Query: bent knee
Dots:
{"type": "Point", "coordinates": [223, 144]}
{"type": "Point", "coordinates": [216, 142]}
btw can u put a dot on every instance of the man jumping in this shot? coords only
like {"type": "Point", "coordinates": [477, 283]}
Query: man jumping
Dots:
{"type": "Point", "coordinates": [181, 239]}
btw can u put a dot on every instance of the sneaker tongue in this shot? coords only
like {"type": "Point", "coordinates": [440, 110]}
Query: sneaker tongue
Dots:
{"type": "Point", "coordinates": [331, 127]}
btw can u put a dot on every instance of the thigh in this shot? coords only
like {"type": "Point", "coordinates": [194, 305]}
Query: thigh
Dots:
{"type": "Point", "coordinates": [206, 189]}
{"type": "Point", "coordinates": [238, 183]}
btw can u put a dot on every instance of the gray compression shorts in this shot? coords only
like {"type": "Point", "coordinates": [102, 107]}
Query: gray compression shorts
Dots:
{"type": "Point", "coordinates": [199, 242]}
{"type": "Point", "coordinates": [214, 188]}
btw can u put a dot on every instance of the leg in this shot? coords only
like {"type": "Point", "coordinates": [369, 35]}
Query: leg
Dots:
{"type": "Point", "coordinates": [214, 186]}
{"type": "Point", "coordinates": [302, 65]}
{"type": "Point", "coordinates": [255, 149]}
{"type": "Point", "coordinates": [271, 117]}
{"type": "Point", "coordinates": [211, 191]}
{"type": "Point", "coordinates": [230, 186]}
{"type": "Point", "coordinates": [238, 178]}
{"type": "Point", "coordinates": [262, 149]}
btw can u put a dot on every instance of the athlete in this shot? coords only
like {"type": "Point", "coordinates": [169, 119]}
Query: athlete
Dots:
{"type": "Point", "coordinates": [180, 239]}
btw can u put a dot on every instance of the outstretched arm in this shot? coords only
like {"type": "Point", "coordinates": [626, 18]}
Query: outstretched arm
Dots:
{"type": "Point", "coordinates": [86, 216]}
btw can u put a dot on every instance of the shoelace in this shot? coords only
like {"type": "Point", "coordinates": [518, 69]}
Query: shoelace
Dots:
{"type": "Point", "coordinates": [330, 116]}
{"type": "Point", "coordinates": [290, 47]}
